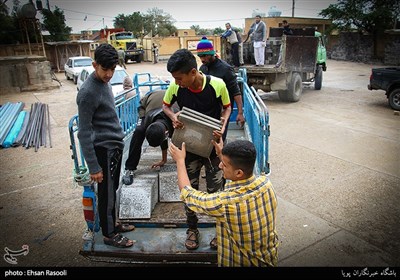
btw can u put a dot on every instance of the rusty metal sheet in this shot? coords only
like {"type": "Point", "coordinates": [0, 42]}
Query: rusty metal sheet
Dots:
{"type": "Point", "coordinates": [304, 60]}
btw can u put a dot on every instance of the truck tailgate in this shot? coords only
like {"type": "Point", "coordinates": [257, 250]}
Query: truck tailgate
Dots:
{"type": "Point", "coordinates": [155, 244]}
{"type": "Point", "coordinates": [303, 61]}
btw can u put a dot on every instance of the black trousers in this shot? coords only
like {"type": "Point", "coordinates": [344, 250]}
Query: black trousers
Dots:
{"type": "Point", "coordinates": [135, 147]}
{"type": "Point", "coordinates": [214, 178]}
{"type": "Point", "coordinates": [235, 54]}
{"type": "Point", "coordinates": [110, 162]}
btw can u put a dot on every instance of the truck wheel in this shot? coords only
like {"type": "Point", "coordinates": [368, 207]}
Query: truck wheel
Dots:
{"type": "Point", "coordinates": [139, 58]}
{"type": "Point", "coordinates": [318, 78]}
{"type": "Point", "coordinates": [75, 80]}
{"type": "Point", "coordinates": [66, 76]}
{"type": "Point", "coordinates": [294, 90]}
{"type": "Point", "coordinates": [394, 99]}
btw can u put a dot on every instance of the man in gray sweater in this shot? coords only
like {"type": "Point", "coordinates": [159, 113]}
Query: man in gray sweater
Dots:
{"type": "Point", "coordinates": [258, 34]}
{"type": "Point", "coordinates": [101, 138]}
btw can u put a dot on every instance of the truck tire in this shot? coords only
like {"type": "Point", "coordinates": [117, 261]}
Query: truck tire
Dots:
{"type": "Point", "coordinates": [294, 89]}
{"type": "Point", "coordinates": [318, 78]}
{"type": "Point", "coordinates": [75, 80]}
{"type": "Point", "coordinates": [394, 99]}
{"type": "Point", "coordinates": [66, 75]}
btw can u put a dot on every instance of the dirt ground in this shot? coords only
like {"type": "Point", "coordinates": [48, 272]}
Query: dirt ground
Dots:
{"type": "Point", "coordinates": [40, 206]}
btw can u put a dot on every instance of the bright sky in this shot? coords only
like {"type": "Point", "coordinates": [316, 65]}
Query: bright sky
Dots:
{"type": "Point", "coordinates": [206, 14]}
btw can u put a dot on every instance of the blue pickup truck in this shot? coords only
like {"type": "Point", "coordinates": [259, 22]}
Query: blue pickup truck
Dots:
{"type": "Point", "coordinates": [387, 79]}
{"type": "Point", "coordinates": [159, 235]}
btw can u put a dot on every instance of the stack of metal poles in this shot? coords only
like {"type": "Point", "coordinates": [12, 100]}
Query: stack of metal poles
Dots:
{"type": "Point", "coordinates": [38, 128]}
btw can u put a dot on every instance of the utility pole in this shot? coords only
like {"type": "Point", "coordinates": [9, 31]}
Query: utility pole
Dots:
{"type": "Point", "coordinates": [293, 8]}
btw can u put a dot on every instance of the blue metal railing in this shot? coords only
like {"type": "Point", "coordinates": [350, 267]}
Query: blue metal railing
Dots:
{"type": "Point", "coordinates": [254, 109]}
{"type": "Point", "coordinates": [151, 82]}
{"type": "Point", "coordinates": [127, 111]}
{"type": "Point", "coordinates": [257, 122]}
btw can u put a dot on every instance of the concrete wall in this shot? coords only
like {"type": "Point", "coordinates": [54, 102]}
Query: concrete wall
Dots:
{"type": "Point", "coordinates": [392, 49]}
{"type": "Point", "coordinates": [57, 53]}
{"type": "Point", "coordinates": [25, 73]}
{"type": "Point", "coordinates": [352, 46]}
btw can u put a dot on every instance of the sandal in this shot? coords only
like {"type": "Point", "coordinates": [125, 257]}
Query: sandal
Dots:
{"type": "Point", "coordinates": [192, 239]}
{"type": "Point", "coordinates": [118, 241]}
{"type": "Point", "coordinates": [213, 243]}
{"type": "Point", "coordinates": [124, 227]}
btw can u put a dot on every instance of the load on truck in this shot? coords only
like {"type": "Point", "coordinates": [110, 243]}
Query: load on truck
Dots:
{"type": "Point", "coordinates": [152, 202]}
{"type": "Point", "coordinates": [303, 61]}
{"type": "Point", "coordinates": [126, 40]}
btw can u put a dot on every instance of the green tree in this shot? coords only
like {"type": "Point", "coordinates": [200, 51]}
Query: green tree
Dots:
{"type": "Point", "coordinates": [372, 16]}
{"type": "Point", "coordinates": [218, 31]}
{"type": "Point", "coordinates": [10, 32]}
{"type": "Point", "coordinates": [54, 22]}
{"type": "Point", "coordinates": [196, 28]}
{"type": "Point", "coordinates": [157, 22]}
{"type": "Point", "coordinates": [133, 23]}
{"type": "Point", "coordinates": [154, 22]}
{"type": "Point", "coordinates": [201, 31]}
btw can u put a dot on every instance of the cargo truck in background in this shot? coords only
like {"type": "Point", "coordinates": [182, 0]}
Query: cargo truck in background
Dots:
{"type": "Point", "coordinates": [303, 61]}
{"type": "Point", "coordinates": [119, 38]}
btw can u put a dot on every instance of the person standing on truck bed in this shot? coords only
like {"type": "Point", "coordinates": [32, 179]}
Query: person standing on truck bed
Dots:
{"type": "Point", "coordinates": [207, 95]}
{"type": "Point", "coordinates": [258, 33]}
{"type": "Point", "coordinates": [241, 61]}
{"type": "Point", "coordinates": [245, 211]}
{"type": "Point", "coordinates": [214, 66]}
{"type": "Point", "coordinates": [101, 139]}
{"type": "Point", "coordinates": [153, 125]}
{"type": "Point", "coordinates": [286, 31]}
{"type": "Point", "coordinates": [231, 36]}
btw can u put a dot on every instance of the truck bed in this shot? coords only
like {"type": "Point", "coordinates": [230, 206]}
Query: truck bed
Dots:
{"type": "Point", "coordinates": [292, 58]}
{"type": "Point", "coordinates": [160, 239]}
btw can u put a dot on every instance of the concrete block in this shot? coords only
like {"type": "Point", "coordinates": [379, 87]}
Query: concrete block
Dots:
{"type": "Point", "coordinates": [169, 190]}
{"type": "Point", "coordinates": [138, 200]}
{"type": "Point", "coordinates": [197, 132]}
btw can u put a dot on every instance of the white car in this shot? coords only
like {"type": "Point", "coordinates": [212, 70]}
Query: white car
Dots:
{"type": "Point", "coordinates": [74, 66]}
{"type": "Point", "coordinates": [116, 81]}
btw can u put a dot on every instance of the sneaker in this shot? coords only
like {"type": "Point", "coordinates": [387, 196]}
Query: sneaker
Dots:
{"type": "Point", "coordinates": [88, 235]}
{"type": "Point", "coordinates": [127, 179]}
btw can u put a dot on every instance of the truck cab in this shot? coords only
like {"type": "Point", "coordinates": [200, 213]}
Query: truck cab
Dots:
{"type": "Point", "coordinates": [126, 41]}
{"type": "Point", "coordinates": [321, 51]}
